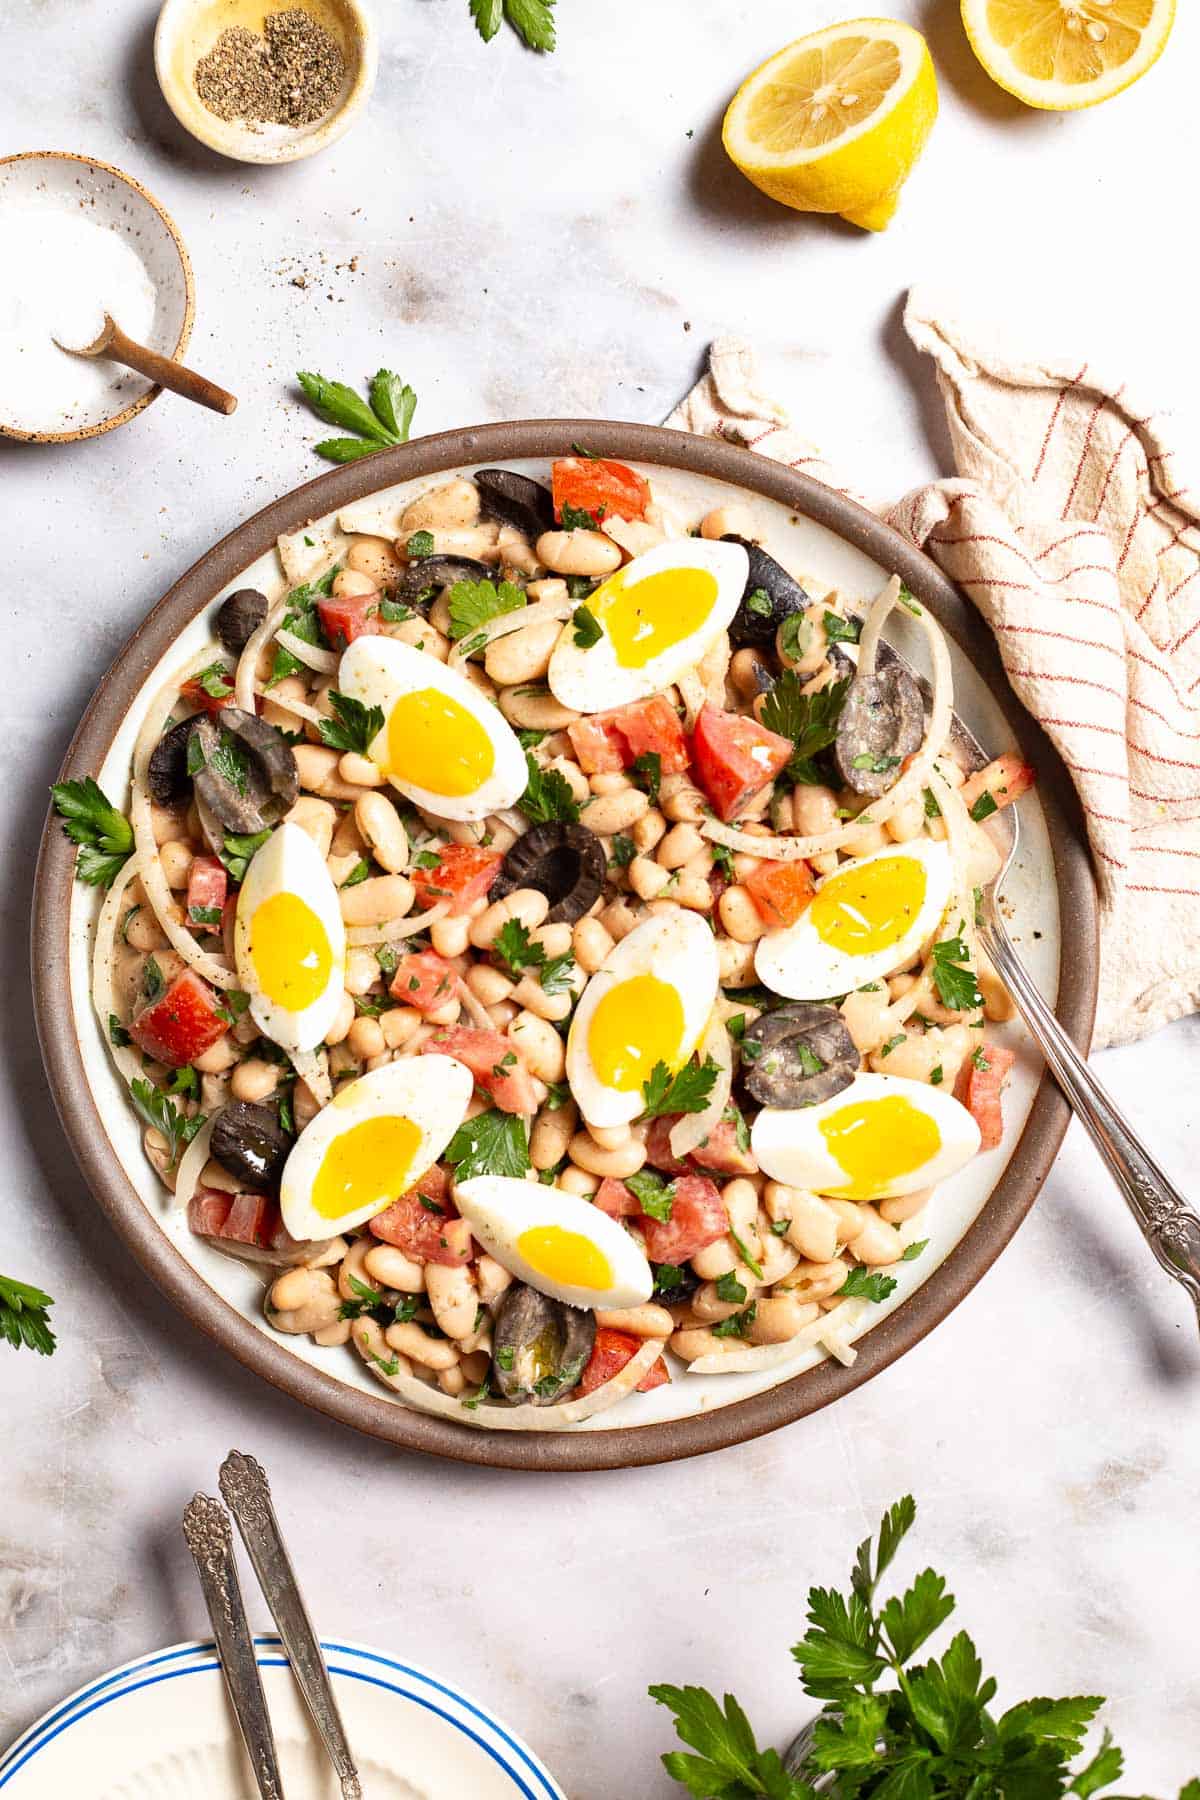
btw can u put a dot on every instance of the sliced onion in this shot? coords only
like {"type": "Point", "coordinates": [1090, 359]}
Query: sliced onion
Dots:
{"type": "Point", "coordinates": [508, 622]}
{"type": "Point", "coordinates": [472, 1004]}
{"type": "Point", "coordinates": [769, 1356]}
{"type": "Point", "coordinates": [325, 662]}
{"type": "Point", "coordinates": [104, 947]}
{"type": "Point", "coordinates": [914, 778]}
{"type": "Point", "coordinates": [312, 1066]}
{"type": "Point", "coordinates": [691, 1130]}
{"type": "Point", "coordinates": [310, 552]}
{"type": "Point", "coordinates": [490, 1416]}
{"type": "Point", "coordinates": [191, 1164]}
{"type": "Point", "coordinates": [876, 619]}
{"type": "Point", "coordinates": [247, 669]}
{"type": "Point", "coordinates": [366, 936]}
{"type": "Point", "coordinates": [297, 707]}
{"type": "Point", "coordinates": [514, 818]}
{"type": "Point", "coordinates": [692, 693]}
{"type": "Point", "coordinates": [158, 891]}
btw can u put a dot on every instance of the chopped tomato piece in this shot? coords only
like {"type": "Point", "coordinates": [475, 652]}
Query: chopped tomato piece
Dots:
{"type": "Point", "coordinates": [345, 617]}
{"type": "Point", "coordinates": [615, 1199]}
{"type": "Point", "coordinates": [493, 1061]}
{"type": "Point", "coordinates": [424, 1223]}
{"type": "Point", "coordinates": [658, 1146]}
{"type": "Point", "coordinates": [610, 1353]}
{"type": "Point", "coordinates": [604, 489]}
{"type": "Point", "coordinates": [206, 889]}
{"type": "Point", "coordinates": [722, 1153]}
{"type": "Point", "coordinates": [425, 980]}
{"type": "Point", "coordinates": [252, 1220]}
{"type": "Point", "coordinates": [608, 741]}
{"type": "Point", "coordinates": [182, 1023]}
{"type": "Point", "coordinates": [196, 695]}
{"type": "Point", "coordinates": [462, 875]}
{"type": "Point", "coordinates": [1005, 779]}
{"type": "Point", "coordinates": [698, 1218]}
{"type": "Point", "coordinates": [780, 890]}
{"type": "Point", "coordinates": [980, 1090]}
{"type": "Point", "coordinates": [735, 758]}
{"type": "Point", "coordinates": [598, 745]}
{"type": "Point", "coordinates": [207, 1211]}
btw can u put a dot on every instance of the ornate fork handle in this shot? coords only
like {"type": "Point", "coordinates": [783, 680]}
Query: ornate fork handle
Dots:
{"type": "Point", "coordinates": [1167, 1222]}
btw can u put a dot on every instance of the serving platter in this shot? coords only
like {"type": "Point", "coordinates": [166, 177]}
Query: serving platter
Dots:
{"type": "Point", "coordinates": [812, 530]}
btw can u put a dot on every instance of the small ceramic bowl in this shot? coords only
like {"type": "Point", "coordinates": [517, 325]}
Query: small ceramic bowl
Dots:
{"type": "Point", "coordinates": [187, 31]}
{"type": "Point", "coordinates": [57, 181]}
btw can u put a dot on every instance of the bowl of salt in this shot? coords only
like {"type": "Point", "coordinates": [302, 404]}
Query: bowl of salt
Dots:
{"type": "Point", "coordinates": [78, 239]}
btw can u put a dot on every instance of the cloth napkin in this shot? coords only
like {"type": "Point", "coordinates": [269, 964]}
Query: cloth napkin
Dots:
{"type": "Point", "coordinates": [1072, 528]}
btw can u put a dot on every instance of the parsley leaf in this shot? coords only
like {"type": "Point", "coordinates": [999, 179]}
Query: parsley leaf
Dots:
{"type": "Point", "coordinates": [729, 1763]}
{"type": "Point", "coordinates": [810, 720]}
{"type": "Point", "coordinates": [547, 795]}
{"type": "Point", "coordinates": [866, 1284]}
{"type": "Point", "coordinates": [156, 1110]}
{"type": "Point", "coordinates": [355, 726]}
{"type": "Point", "coordinates": [577, 518]}
{"type": "Point", "coordinates": [647, 773]}
{"type": "Point", "coordinates": [474, 603]}
{"type": "Point", "coordinates": [687, 1092]}
{"type": "Point", "coordinates": [587, 628]}
{"type": "Point", "coordinates": [532, 20]}
{"type": "Point", "coordinates": [984, 807]}
{"type": "Point", "coordinates": [118, 1037]}
{"type": "Point", "coordinates": [239, 851]}
{"type": "Point", "coordinates": [738, 1324]}
{"type": "Point", "coordinates": [877, 765]}
{"type": "Point", "coordinates": [514, 946]}
{"type": "Point", "coordinates": [623, 851]}
{"type": "Point", "coordinates": [912, 1251]}
{"type": "Point", "coordinates": [953, 976]}
{"type": "Point", "coordinates": [730, 1289]}
{"type": "Point", "coordinates": [386, 419]}
{"type": "Point", "coordinates": [104, 836]}
{"type": "Point", "coordinates": [759, 603]}
{"type": "Point", "coordinates": [839, 630]}
{"type": "Point", "coordinates": [215, 681]}
{"type": "Point", "coordinates": [493, 1143]}
{"type": "Point", "coordinates": [23, 1321]}
{"type": "Point", "coordinates": [420, 544]}
{"type": "Point", "coordinates": [654, 1195]}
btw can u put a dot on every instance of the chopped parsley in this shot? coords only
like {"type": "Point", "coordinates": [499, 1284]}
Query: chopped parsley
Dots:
{"type": "Point", "coordinates": [984, 807]}
{"type": "Point", "coordinates": [876, 765]}
{"type": "Point", "coordinates": [810, 720]}
{"type": "Point", "coordinates": [912, 1251]}
{"type": "Point", "coordinates": [493, 1143]}
{"type": "Point", "coordinates": [759, 603]}
{"type": "Point", "coordinates": [623, 851]}
{"type": "Point", "coordinates": [587, 628]}
{"type": "Point", "coordinates": [979, 1058]}
{"type": "Point", "coordinates": [864, 1284]}
{"type": "Point", "coordinates": [577, 518]}
{"type": "Point", "coordinates": [687, 1092]}
{"type": "Point", "coordinates": [355, 726]}
{"type": "Point", "coordinates": [647, 773]}
{"type": "Point", "coordinates": [654, 1195]}
{"type": "Point", "coordinates": [419, 544]}
{"type": "Point", "coordinates": [547, 795]}
{"type": "Point", "coordinates": [954, 977]}
{"type": "Point", "coordinates": [839, 630]}
{"type": "Point", "coordinates": [474, 603]}
{"type": "Point", "coordinates": [730, 1289]}
{"type": "Point", "coordinates": [739, 1324]}
{"type": "Point", "coordinates": [238, 852]}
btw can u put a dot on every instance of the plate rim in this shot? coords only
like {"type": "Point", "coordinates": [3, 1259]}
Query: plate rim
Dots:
{"type": "Point", "coordinates": [203, 1653]}
{"type": "Point", "coordinates": [631, 1446]}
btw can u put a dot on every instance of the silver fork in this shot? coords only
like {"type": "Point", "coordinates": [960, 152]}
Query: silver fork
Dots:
{"type": "Point", "coordinates": [1166, 1221]}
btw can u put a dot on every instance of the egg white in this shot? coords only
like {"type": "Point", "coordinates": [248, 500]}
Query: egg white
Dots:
{"type": "Point", "coordinates": [797, 963]}
{"type": "Point", "coordinates": [289, 862]}
{"type": "Point", "coordinates": [676, 947]}
{"type": "Point", "coordinates": [789, 1146]}
{"type": "Point", "coordinates": [591, 680]}
{"type": "Point", "coordinates": [499, 1209]}
{"type": "Point", "coordinates": [433, 1092]}
{"type": "Point", "coordinates": [380, 671]}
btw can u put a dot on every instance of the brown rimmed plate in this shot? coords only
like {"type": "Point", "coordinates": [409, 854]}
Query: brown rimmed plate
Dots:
{"type": "Point", "coordinates": [840, 541]}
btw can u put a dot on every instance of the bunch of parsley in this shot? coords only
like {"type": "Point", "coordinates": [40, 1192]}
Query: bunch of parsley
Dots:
{"type": "Point", "coordinates": [891, 1728]}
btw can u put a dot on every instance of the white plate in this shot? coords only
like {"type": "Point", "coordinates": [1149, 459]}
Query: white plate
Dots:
{"type": "Point", "coordinates": [1031, 904]}
{"type": "Point", "coordinates": [162, 1728]}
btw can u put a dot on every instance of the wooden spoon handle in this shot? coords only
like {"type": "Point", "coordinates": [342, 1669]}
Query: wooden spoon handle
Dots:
{"type": "Point", "coordinates": [168, 374]}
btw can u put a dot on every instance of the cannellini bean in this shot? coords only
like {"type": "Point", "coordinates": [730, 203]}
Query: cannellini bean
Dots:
{"type": "Point", "coordinates": [609, 781]}
{"type": "Point", "coordinates": [480, 542]}
{"type": "Point", "coordinates": [399, 1025]}
{"type": "Point", "coordinates": [317, 768]}
{"type": "Point", "coordinates": [305, 1105]}
{"type": "Point", "coordinates": [647, 1321]}
{"type": "Point", "coordinates": [777, 1257]}
{"type": "Point", "coordinates": [360, 771]}
{"type": "Point", "coordinates": [696, 1341]}
{"type": "Point", "coordinates": [534, 708]}
{"type": "Point", "coordinates": [878, 1243]}
{"type": "Point", "coordinates": [866, 1016]}
{"type": "Point", "coordinates": [353, 1268]}
{"type": "Point", "coordinates": [555, 939]}
{"type": "Point", "coordinates": [779, 1317]}
{"type": "Point", "coordinates": [522, 655]}
{"type": "Point", "coordinates": [851, 1217]}
{"type": "Point", "coordinates": [375, 558]}
{"type": "Point", "coordinates": [390, 1267]}
{"type": "Point", "coordinates": [908, 821]}
{"type": "Point", "coordinates": [176, 859]}
{"type": "Point", "coordinates": [646, 878]}
{"type": "Point", "coordinates": [610, 813]}
{"type": "Point", "coordinates": [451, 936]}
{"type": "Point", "coordinates": [351, 581]}
{"type": "Point", "coordinates": [362, 972]}
{"type": "Point", "coordinates": [365, 1038]}
{"type": "Point", "coordinates": [727, 521]}
{"type": "Point", "coordinates": [626, 1159]}
{"type": "Point", "coordinates": [317, 818]}
{"type": "Point", "coordinates": [532, 996]}
{"type": "Point", "coordinates": [739, 915]}
{"type": "Point", "coordinates": [543, 1051]}
{"type": "Point", "coordinates": [574, 1180]}
{"type": "Point", "coordinates": [303, 1300]}
{"type": "Point", "coordinates": [863, 840]}
{"type": "Point", "coordinates": [647, 831]}
{"type": "Point", "coordinates": [735, 962]}
{"type": "Point", "coordinates": [750, 673]}
{"type": "Point", "coordinates": [221, 1056]}
{"type": "Point", "coordinates": [679, 846]}
{"type": "Point", "coordinates": [168, 823]}
{"type": "Point", "coordinates": [693, 891]}
{"type": "Point", "coordinates": [452, 1381]}
{"type": "Point", "coordinates": [812, 1223]}
{"type": "Point", "coordinates": [578, 552]}
{"type": "Point", "coordinates": [412, 1341]}
{"type": "Point", "coordinates": [619, 918]}
{"type": "Point", "coordinates": [422, 635]}
{"type": "Point", "coordinates": [489, 985]}
{"type": "Point", "coordinates": [551, 1136]}
{"type": "Point", "coordinates": [368, 1339]}
{"type": "Point", "coordinates": [441, 508]}
{"type": "Point", "coordinates": [528, 905]}
{"type": "Point", "coordinates": [143, 931]}
{"type": "Point", "coordinates": [253, 1079]}
{"type": "Point", "coordinates": [681, 801]}
{"type": "Point", "coordinates": [574, 777]}
{"type": "Point", "coordinates": [591, 944]}
{"type": "Point", "coordinates": [376, 900]}
{"type": "Point", "coordinates": [331, 1336]}
{"type": "Point", "coordinates": [707, 1305]}
{"type": "Point", "coordinates": [493, 1279]}
{"type": "Point", "coordinates": [453, 1299]}
{"type": "Point", "coordinates": [810, 1281]}
{"type": "Point", "coordinates": [997, 1001]}
{"type": "Point", "coordinates": [905, 1206]}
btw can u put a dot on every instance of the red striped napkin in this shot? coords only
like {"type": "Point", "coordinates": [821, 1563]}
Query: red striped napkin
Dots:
{"type": "Point", "coordinates": [1072, 529]}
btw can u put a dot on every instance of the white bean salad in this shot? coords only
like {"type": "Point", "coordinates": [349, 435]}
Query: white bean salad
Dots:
{"type": "Point", "coordinates": [544, 942]}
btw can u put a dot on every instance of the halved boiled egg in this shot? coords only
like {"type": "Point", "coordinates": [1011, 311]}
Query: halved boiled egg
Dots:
{"type": "Point", "coordinates": [443, 743]}
{"type": "Point", "coordinates": [865, 920]}
{"type": "Point", "coordinates": [655, 617]}
{"type": "Point", "coordinates": [289, 943]}
{"type": "Point", "coordinates": [882, 1135]}
{"type": "Point", "coordinates": [376, 1139]}
{"type": "Point", "coordinates": [555, 1242]}
{"type": "Point", "coordinates": [649, 1004]}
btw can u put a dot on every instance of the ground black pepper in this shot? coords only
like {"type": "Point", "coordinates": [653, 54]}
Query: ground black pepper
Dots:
{"type": "Point", "coordinates": [290, 75]}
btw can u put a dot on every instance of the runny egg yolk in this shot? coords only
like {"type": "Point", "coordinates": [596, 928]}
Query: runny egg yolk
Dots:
{"type": "Point", "coordinates": [290, 950]}
{"type": "Point", "coordinates": [869, 908]}
{"type": "Point", "coordinates": [876, 1141]}
{"type": "Point", "coordinates": [368, 1165]}
{"type": "Point", "coordinates": [566, 1257]}
{"type": "Point", "coordinates": [637, 1024]}
{"type": "Point", "coordinates": [435, 743]}
{"type": "Point", "coordinates": [644, 618]}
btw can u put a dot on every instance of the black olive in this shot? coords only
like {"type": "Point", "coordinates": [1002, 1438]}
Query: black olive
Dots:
{"type": "Point", "coordinates": [168, 778]}
{"type": "Point", "coordinates": [771, 596]}
{"type": "Point", "coordinates": [239, 617]}
{"type": "Point", "coordinates": [515, 500]}
{"type": "Point", "coordinates": [798, 1055]}
{"type": "Point", "coordinates": [540, 1346]}
{"type": "Point", "coordinates": [427, 575]}
{"type": "Point", "coordinates": [680, 1283]}
{"type": "Point", "coordinates": [564, 862]}
{"type": "Point", "coordinates": [251, 1144]}
{"type": "Point", "coordinates": [244, 770]}
{"type": "Point", "coordinates": [881, 722]}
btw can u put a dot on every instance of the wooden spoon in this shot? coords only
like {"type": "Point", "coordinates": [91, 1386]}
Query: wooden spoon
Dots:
{"type": "Point", "coordinates": [113, 343]}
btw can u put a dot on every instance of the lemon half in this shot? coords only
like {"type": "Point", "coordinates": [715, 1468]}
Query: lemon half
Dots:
{"type": "Point", "coordinates": [834, 123]}
{"type": "Point", "coordinates": [1065, 54]}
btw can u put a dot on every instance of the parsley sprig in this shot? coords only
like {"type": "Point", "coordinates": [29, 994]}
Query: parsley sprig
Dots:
{"type": "Point", "coordinates": [156, 1110]}
{"type": "Point", "coordinates": [532, 20]}
{"type": "Point", "coordinates": [953, 976]}
{"type": "Point", "coordinates": [493, 1143]}
{"type": "Point", "coordinates": [547, 795]}
{"type": "Point", "coordinates": [355, 726]}
{"type": "Point", "coordinates": [383, 419]}
{"type": "Point", "coordinates": [686, 1092]}
{"type": "Point", "coordinates": [23, 1317]}
{"type": "Point", "coordinates": [104, 835]}
{"type": "Point", "coordinates": [474, 603]}
{"type": "Point", "coordinates": [810, 720]}
{"type": "Point", "coordinates": [926, 1733]}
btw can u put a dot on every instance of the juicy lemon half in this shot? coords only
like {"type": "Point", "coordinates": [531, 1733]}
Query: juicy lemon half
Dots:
{"type": "Point", "coordinates": [834, 123]}
{"type": "Point", "coordinates": [1066, 54]}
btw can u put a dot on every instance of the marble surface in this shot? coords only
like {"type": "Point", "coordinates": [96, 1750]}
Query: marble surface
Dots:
{"type": "Point", "coordinates": [562, 236]}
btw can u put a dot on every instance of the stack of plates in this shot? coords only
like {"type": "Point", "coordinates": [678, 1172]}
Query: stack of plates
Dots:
{"type": "Point", "coordinates": [161, 1728]}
